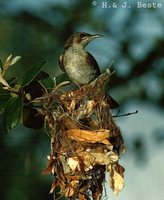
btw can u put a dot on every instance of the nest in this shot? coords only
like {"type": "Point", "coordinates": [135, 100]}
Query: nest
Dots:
{"type": "Point", "coordinates": [85, 141]}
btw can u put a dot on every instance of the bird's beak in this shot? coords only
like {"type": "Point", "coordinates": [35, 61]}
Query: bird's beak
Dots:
{"type": "Point", "coordinates": [97, 36]}
{"type": "Point", "coordinates": [89, 38]}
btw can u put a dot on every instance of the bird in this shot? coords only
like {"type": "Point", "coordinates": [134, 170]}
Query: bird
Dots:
{"type": "Point", "coordinates": [80, 66]}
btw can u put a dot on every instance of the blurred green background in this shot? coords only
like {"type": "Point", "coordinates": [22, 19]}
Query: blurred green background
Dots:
{"type": "Point", "coordinates": [134, 40]}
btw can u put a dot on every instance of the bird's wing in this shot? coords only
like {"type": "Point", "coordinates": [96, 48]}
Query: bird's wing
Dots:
{"type": "Point", "coordinates": [92, 62]}
{"type": "Point", "coordinates": [112, 102]}
{"type": "Point", "coordinates": [61, 62]}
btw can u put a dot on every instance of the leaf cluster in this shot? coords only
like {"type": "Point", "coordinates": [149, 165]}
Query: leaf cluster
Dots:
{"type": "Point", "coordinates": [17, 96]}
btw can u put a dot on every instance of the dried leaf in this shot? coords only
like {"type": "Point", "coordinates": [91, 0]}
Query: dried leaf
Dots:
{"type": "Point", "coordinates": [82, 196]}
{"type": "Point", "coordinates": [123, 150]}
{"type": "Point", "coordinates": [100, 136]}
{"type": "Point", "coordinates": [49, 167]}
{"type": "Point", "coordinates": [73, 163]}
{"type": "Point", "coordinates": [76, 176]}
{"type": "Point", "coordinates": [92, 159]}
{"type": "Point", "coordinates": [53, 186]}
{"type": "Point", "coordinates": [66, 167]}
{"type": "Point", "coordinates": [105, 158]}
{"type": "Point", "coordinates": [72, 106]}
{"type": "Point", "coordinates": [69, 191]}
{"type": "Point", "coordinates": [86, 109]}
{"type": "Point", "coordinates": [116, 178]}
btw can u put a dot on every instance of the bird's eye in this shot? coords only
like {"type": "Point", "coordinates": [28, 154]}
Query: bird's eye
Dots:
{"type": "Point", "coordinates": [82, 35]}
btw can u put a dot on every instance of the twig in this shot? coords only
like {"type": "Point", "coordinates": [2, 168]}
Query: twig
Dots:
{"type": "Point", "coordinates": [122, 115]}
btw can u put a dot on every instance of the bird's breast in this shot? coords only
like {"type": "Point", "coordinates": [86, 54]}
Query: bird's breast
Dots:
{"type": "Point", "coordinates": [77, 67]}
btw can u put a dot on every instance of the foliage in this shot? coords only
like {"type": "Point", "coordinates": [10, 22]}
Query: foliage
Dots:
{"type": "Point", "coordinates": [17, 95]}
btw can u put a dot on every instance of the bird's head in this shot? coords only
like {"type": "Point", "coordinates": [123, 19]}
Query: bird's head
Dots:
{"type": "Point", "coordinates": [81, 38]}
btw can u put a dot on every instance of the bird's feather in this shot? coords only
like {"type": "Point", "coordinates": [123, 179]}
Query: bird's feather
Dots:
{"type": "Point", "coordinates": [93, 63]}
{"type": "Point", "coordinates": [61, 62]}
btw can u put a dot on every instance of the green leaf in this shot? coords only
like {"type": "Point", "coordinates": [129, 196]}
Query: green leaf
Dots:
{"type": "Point", "coordinates": [12, 113]}
{"type": "Point", "coordinates": [61, 78]}
{"type": "Point", "coordinates": [31, 73]}
{"type": "Point", "coordinates": [45, 80]}
{"type": "Point", "coordinates": [3, 101]}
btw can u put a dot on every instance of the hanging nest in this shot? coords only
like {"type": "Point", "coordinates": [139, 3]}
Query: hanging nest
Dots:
{"type": "Point", "coordinates": [85, 141]}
